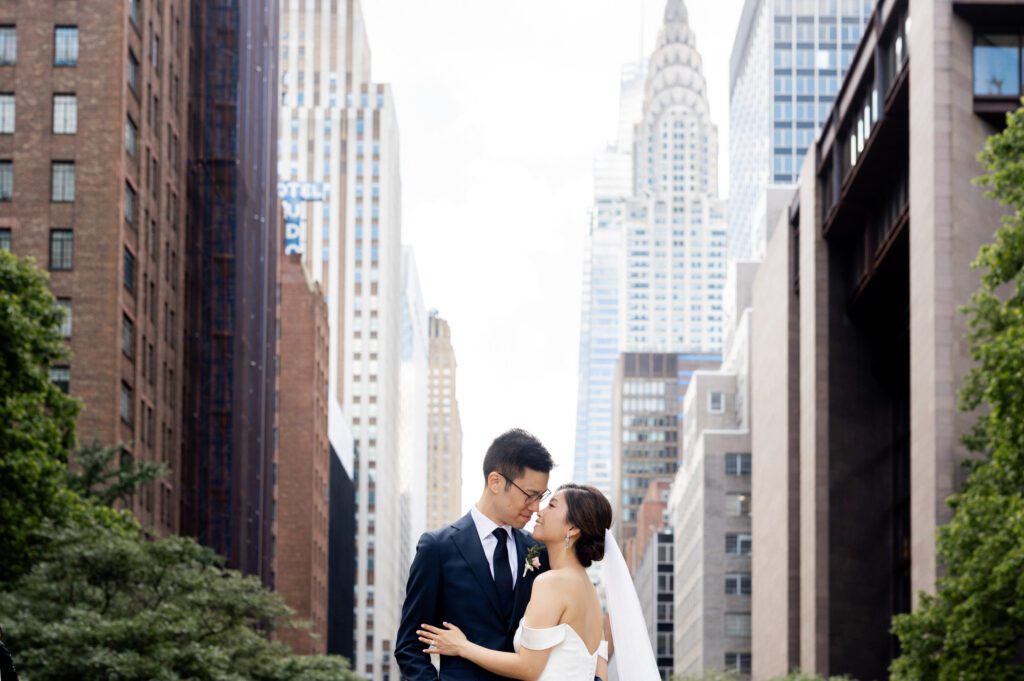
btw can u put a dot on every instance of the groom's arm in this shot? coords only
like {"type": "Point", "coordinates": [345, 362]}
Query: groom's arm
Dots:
{"type": "Point", "coordinates": [421, 607]}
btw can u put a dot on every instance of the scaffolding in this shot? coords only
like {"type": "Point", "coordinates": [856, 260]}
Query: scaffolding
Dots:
{"type": "Point", "coordinates": [228, 445]}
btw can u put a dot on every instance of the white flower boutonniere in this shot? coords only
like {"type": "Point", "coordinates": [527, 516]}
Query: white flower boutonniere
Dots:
{"type": "Point", "coordinates": [532, 559]}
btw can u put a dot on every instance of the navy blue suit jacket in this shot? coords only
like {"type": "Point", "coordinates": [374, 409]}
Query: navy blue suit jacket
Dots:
{"type": "Point", "coordinates": [450, 581]}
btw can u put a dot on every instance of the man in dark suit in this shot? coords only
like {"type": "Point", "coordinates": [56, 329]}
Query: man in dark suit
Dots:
{"type": "Point", "coordinates": [471, 573]}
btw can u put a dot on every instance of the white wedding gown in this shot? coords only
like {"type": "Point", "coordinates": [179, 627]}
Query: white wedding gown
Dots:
{"type": "Point", "coordinates": [570, 660]}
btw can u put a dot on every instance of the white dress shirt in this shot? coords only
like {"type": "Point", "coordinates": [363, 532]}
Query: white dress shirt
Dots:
{"type": "Point", "coordinates": [485, 527]}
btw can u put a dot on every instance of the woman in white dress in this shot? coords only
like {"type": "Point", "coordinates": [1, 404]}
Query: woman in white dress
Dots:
{"type": "Point", "coordinates": [561, 635]}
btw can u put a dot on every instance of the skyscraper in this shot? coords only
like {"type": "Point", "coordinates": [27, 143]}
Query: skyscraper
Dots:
{"type": "Point", "coordinates": [788, 59]}
{"type": "Point", "coordinates": [710, 504]}
{"type": "Point", "coordinates": [375, 264]}
{"type": "Point", "coordinates": [92, 185]}
{"type": "Point", "coordinates": [599, 322]}
{"type": "Point", "coordinates": [339, 143]}
{"type": "Point", "coordinates": [231, 266]}
{"type": "Point", "coordinates": [444, 461]}
{"type": "Point", "coordinates": [415, 370]}
{"type": "Point", "coordinates": [647, 429]}
{"type": "Point", "coordinates": [675, 234]}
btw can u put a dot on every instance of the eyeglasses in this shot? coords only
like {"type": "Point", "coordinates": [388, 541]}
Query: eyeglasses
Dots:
{"type": "Point", "coordinates": [531, 497]}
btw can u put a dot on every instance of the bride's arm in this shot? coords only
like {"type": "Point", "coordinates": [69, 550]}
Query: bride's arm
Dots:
{"type": "Point", "coordinates": [544, 610]}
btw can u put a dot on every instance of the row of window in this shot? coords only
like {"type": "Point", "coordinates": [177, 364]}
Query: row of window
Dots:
{"type": "Point", "coordinates": [65, 45]}
{"type": "Point", "coordinates": [65, 113]}
{"type": "Point", "coordinates": [62, 181]}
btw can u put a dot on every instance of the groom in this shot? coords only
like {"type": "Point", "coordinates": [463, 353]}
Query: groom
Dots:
{"type": "Point", "coordinates": [471, 572]}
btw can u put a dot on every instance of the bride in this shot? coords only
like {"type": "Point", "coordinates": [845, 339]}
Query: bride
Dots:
{"type": "Point", "coordinates": [560, 636]}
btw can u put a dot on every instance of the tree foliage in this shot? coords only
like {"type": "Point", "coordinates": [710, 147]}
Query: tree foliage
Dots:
{"type": "Point", "coordinates": [37, 420]}
{"type": "Point", "coordinates": [100, 473]}
{"type": "Point", "coordinates": [84, 593]}
{"type": "Point", "coordinates": [113, 605]}
{"type": "Point", "coordinates": [973, 627]}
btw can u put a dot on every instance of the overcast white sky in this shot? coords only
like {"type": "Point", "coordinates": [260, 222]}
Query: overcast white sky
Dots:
{"type": "Point", "coordinates": [502, 106]}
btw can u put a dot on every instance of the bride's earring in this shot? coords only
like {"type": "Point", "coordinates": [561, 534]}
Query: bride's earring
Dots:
{"type": "Point", "coordinates": [566, 541]}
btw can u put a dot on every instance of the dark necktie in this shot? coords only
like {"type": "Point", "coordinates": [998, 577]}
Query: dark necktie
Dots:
{"type": "Point", "coordinates": [502, 572]}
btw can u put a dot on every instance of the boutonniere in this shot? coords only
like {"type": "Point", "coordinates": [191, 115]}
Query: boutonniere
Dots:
{"type": "Point", "coordinates": [532, 559]}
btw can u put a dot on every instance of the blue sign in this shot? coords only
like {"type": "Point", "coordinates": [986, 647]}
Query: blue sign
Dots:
{"type": "Point", "coordinates": [294, 196]}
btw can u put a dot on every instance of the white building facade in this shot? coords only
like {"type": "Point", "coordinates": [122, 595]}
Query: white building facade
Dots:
{"type": "Point", "coordinates": [673, 268]}
{"type": "Point", "coordinates": [788, 60]}
{"type": "Point", "coordinates": [339, 148]}
{"type": "Point", "coordinates": [414, 389]}
{"type": "Point", "coordinates": [709, 505]}
{"type": "Point", "coordinates": [374, 396]}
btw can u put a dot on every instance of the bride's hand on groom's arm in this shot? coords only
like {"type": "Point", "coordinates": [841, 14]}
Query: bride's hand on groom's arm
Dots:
{"type": "Point", "coordinates": [447, 641]}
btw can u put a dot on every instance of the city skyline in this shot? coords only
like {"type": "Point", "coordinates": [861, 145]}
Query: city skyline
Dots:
{"type": "Point", "coordinates": [462, 127]}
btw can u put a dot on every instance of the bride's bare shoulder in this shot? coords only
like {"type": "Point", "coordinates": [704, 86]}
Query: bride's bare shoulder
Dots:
{"type": "Point", "coordinates": [557, 581]}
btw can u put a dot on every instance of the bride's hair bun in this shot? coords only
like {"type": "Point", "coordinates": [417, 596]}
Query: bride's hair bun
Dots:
{"type": "Point", "coordinates": [588, 510]}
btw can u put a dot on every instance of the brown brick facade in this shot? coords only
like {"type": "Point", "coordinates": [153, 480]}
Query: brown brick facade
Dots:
{"type": "Point", "coordinates": [303, 456]}
{"type": "Point", "coordinates": [139, 363]}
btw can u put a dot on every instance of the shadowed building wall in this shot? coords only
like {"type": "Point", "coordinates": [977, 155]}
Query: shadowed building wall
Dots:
{"type": "Point", "coordinates": [880, 239]}
{"type": "Point", "coordinates": [228, 451]}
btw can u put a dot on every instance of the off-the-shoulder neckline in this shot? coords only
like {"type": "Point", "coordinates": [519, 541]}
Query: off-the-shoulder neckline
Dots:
{"type": "Point", "coordinates": [570, 628]}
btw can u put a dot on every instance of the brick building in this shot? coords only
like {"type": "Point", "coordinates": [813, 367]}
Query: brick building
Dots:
{"type": "Point", "coordinates": [303, 460]}
{"type": "Point", "coordinates": [92, 185]}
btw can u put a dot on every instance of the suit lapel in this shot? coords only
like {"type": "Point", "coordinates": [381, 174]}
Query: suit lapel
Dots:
{"type": "Point", "coordinates": [468, 543]}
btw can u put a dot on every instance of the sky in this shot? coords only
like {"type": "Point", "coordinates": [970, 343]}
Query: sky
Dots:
{"type": "Point", "coordinates": [501, 108]}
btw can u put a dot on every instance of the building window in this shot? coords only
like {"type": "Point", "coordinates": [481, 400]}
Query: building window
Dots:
{"type": "Point", "coordinates": [65, 114]}
{"type": "Point", "coordinates": [131, 137]}
{"type": "Point", "coordinates": [997, 65]}
{"type": "Point", "coordinates": [737, 505]}
{"type": "Point", "coordinates": [738, 464]}
{"type": "Point", "coordinates": [133, 12]}
{"type": "Point", "coordinates": [738, 662]}
{"type": "Point", "coordinates": [62, 181]}
{"type": "Point", "coordinates": [127, 337]}
{"type": "Point", "coordinates": [61, 377]}
{"type": "Point", "coordinates": [6, 180]}
{"type": "Point", "coordinates": [716, 402]}
{"type": "Point", "coordinates": [665, 583]}
{"type": "Point", "coordinates": [129, 271]}
{"type": "Point", "coordinates": [7, 113]}
{"type": "Point", "coordinates": [133, 72]}
{"type": "Point", "coordinates": [5, 239]}
{"type": "Point", "coordinates": [129, 204]}
{"type": "Point", "coordinates": [61, 249]}
{"type": "Point", "coordinates": [737, 624]}
{"type": "Point", "coordinates": [126, 403]}
{"type": "Point", "coordinates": [738, 584]}
{"type": "Point", "coordinates": [738, 544]}
{"type": "Point", "coordinates": [65, 323]}
{"type": "Point", "coordinates": [65, 46]}
{"type": "Point", "coordinates": [664, 644]}
{"type": "Point", "coordinates": [8, 45]}
{"type": "Point", "coordinates": [154, 51]}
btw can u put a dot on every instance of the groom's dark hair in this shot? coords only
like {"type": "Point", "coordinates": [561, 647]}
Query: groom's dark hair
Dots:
{"type": "Point", "coordinates": [513, 452]}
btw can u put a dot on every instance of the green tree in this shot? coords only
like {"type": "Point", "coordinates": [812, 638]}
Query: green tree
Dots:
{"type": "Point", "coordinates": [37, 420]}
{"type": "Point", "coordinates": [973, 626]}
{"type": "Point", "coordinates": [112, 605]}
{"type": "Point", "coordinates": [102, 474]}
